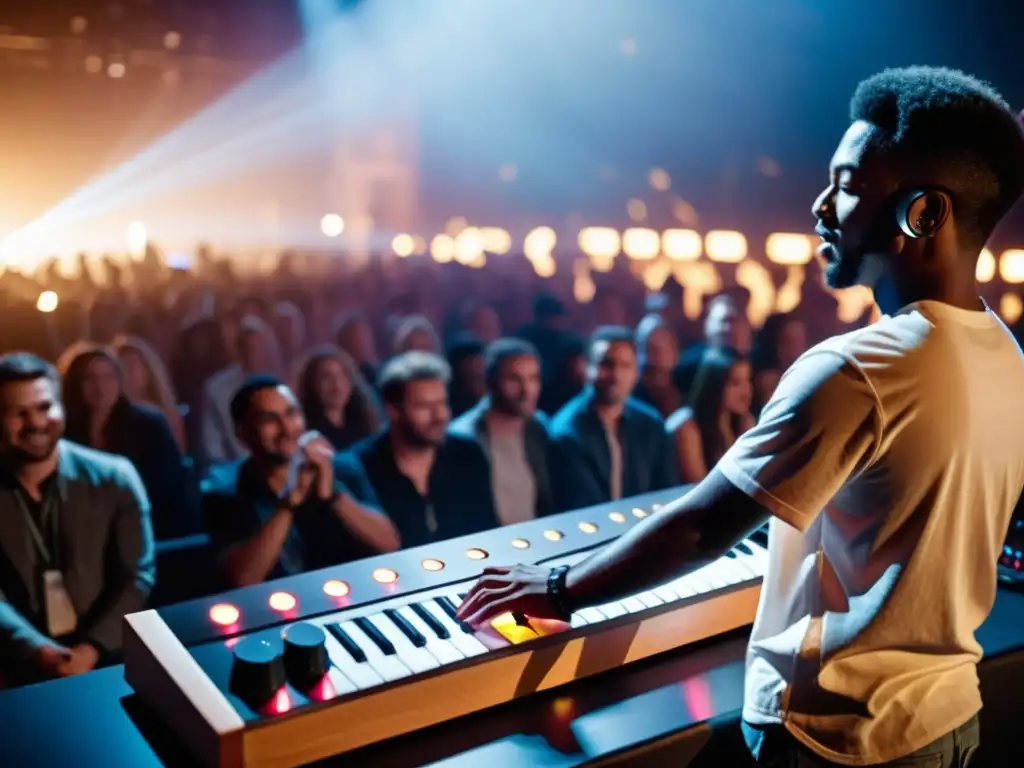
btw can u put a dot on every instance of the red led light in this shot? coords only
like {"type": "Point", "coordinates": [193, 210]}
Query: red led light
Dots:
{"type": "Point", "coordinates": [224, 614]}
{"type": "Point", "coordinates": [322, 691]}
{"type": "Point", "coordinates": [281, 702]}
{"type": "Point", "coordinates": [283, 602]}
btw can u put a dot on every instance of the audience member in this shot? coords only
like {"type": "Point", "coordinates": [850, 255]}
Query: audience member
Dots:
{"type": "Point", "coordinates": [609, 446]}
{"type": "Point", "coordinates": [718, 413]}
{"type": "Point", "coordinates": [257, 353]}
{"type": "Point", "coordinates": [354, 336]}
{"type": "Point", "coordinates": [433, 488]}
{"type": "Point", "coordinates": [468, 385]}
{"type": "Point", "coordinates": [568, 377]}
{"type": "Point", "coordinates": [781, 340]}
{"type": "Point", "coordinates": [658, 353]}
{"type": "Point", "coordinates": [146, 381]}
{"type": "Point", "coordinates": [99, 415]}
{"type": "Point", "coordinates": [725, 327]}
{"type": "Point", "coordinates": [289, 326]}
{"type": "Point", "coordinates": [291, 506]}
{"type": "Point", "coordinates": [507, 426]}
{"type": "Point", "coordinates": [416, 334]}
{"type": "Point", "coordinates": [336, 400]}
{"type": "Point", "coordinates": [76, 547]}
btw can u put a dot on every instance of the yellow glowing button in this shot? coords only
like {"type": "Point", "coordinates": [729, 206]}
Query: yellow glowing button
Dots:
{"type": "Point", "coordinates": [520, 543]}
{"type": "Point", "coordinates": [335, 588]}
{"type": "Point", "coordinates": [283, 602]}
{"type": "Point", "coordinates": [553, 535]}
{"type": "Point", "coordinates": [506, 626]}
{"type": "Point", "coordinates": [588, 527]}
{"type": "Point", "coordinates": [430, 564]}
{"type": "Point", "coordinates": [385, 576]}
{"type": "Point", "coordinates": [476, 554]}
{"type": "Point", "coordinates": [637, 512]}
{"type": "Point", "coordinates": [617, 517]}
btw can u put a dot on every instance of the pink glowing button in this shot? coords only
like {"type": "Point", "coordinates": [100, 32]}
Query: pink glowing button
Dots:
{"type": "Point", "coordinates": [224, 614]}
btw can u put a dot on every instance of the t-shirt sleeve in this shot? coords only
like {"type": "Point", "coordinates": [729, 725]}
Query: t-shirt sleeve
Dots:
{"type": "Point", "coordinates": [820, 429]}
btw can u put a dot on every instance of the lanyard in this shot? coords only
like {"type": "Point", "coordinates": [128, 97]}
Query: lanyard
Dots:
{"type": "Point", "coordinates": [49, 511]}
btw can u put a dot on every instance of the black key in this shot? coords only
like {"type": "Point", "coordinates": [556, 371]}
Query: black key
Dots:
{"type": "Point", "coordinates": [431, 621]}
{"type": "Point", "coordinates": [521, 620]}
{"type": "Point", "coordinates": [449, 607]}
{"type": "Point", "coordinates": [760, 536]}
{"type": "Point", "coordinates": [731, 553]}
{"type": "Point", "coordinates": [742, 547]}
{"type": "Point", "coordinates": [463, 595]}
{"type": "Point", "coordinates": [347, 643]}
{"type": "Point", "coordinates": [407, 629]}
{"type": "Point", "coordinates": [375, 634]}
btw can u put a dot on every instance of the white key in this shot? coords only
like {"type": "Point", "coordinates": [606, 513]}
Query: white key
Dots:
{"type": "Point", "coordinates": [760, 555]}
{"type": "Point", "coordinates": [729, 571]}
{"type": "Point", "coordinates": [650, 599]}
{"type": "Point", "coordinates": [339, 682]}
{"type": "Point", "coordinates": [591, 615]}
{"type": "Point", "coordinates": [612, 610]}
{"type": "Point", "coordinates": [666, 593]}
{"type": "Point", "coordinates": [361, 673]}
{"type": "Point", "coordinates": [416, 659]}
{"type": "Point", "coordinates": [388, 667]}
{"type": "Point", "coordinates": [442, 650]}
{"type": "Point", "coordinates": [466, 643]}
{"type": "Point", "coordinates": [633, 605]}
{"type": "Point", "coordinates": [578, 620]}
{"type": "Point", "coordinates": [745, 563]}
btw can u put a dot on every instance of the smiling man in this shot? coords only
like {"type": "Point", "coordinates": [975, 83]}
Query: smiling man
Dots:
{"type": "Point", "coordinates": [889, 459]}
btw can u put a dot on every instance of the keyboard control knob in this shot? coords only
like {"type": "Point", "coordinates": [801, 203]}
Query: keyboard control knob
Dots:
{"type": "Point", "coordinates": [305, 655]}
{"type": "Point", "coordinates": [258, 670]}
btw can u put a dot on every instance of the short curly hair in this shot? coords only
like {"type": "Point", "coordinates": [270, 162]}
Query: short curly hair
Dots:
{"type": "Point", "coordinates": [953, 131]}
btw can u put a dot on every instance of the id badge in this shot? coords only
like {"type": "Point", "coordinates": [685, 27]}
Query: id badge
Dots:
{"type": "Point", "coordinates": [61, 619]}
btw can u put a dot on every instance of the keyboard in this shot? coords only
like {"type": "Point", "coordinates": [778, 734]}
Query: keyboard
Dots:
{"type": "Point", "coordinates": [308, 680]}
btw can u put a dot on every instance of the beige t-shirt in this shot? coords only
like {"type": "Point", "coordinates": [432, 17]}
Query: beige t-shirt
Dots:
{"type": "Point", "coordinates": [891, 458]}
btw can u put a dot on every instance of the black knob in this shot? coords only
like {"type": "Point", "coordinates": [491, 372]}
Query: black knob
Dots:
{"type": "Point", "coordinates": [258, 670]}
{"type": "Point", "coordinates": [305, 655]}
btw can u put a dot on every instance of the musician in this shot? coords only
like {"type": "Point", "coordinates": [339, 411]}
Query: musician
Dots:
{"type": "Point", "coordinates": [889, 458]}
{"type": "Point", "coordinates": [76, 545]}
{"type": "Point", "coordinates": [513, 435]}
{"type": "Point", "coordinates": [291, 506]}
{"type": "Point", "coordinates": [434, 486]}
{"type": "Point", "coordinates": [608, 445]}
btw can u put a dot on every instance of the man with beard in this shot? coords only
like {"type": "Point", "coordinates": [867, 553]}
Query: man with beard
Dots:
{"type": "Point", "coordinates": [889, 459]}
{"type": "Point", "coordinates": [432, 487]}
{"type": "Point", "coordinates": [291, 506]}
{"type": "Point", "coordinates": [608, 445]}
{"type": "Point", "coordinates": [76, 547]}
{"type": "Point", "coordinates": [507, 426]}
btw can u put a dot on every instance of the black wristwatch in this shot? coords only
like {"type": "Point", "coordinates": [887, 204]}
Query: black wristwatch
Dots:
{"type": "Point", "coordinates": [558, 593]}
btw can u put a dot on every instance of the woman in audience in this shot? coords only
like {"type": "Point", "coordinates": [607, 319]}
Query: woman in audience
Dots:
{"type": "Point", "coordinates": [781, 340]}
{"type": "Point", "coordinates": [337, 401]}
{"type": "Point", "coordinates": [718, 413]}
{"type": "Point", "coordinates": [100, 415]}
{"type": "Point", "coordinates": [146, 381]}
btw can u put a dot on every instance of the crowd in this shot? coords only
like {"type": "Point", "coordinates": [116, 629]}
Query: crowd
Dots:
{"type": "Point", "coordinates": [284, 439]}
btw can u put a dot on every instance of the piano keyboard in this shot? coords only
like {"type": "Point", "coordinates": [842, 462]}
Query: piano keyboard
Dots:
{"type": "Point", "coordinates": [403, 641]}
{"type": "Point", "coordinates": [290, 672]}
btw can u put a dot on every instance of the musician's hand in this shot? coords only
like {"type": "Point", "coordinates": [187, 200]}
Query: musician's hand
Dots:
{"type": "Point", "coordinates": [520, 588]}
